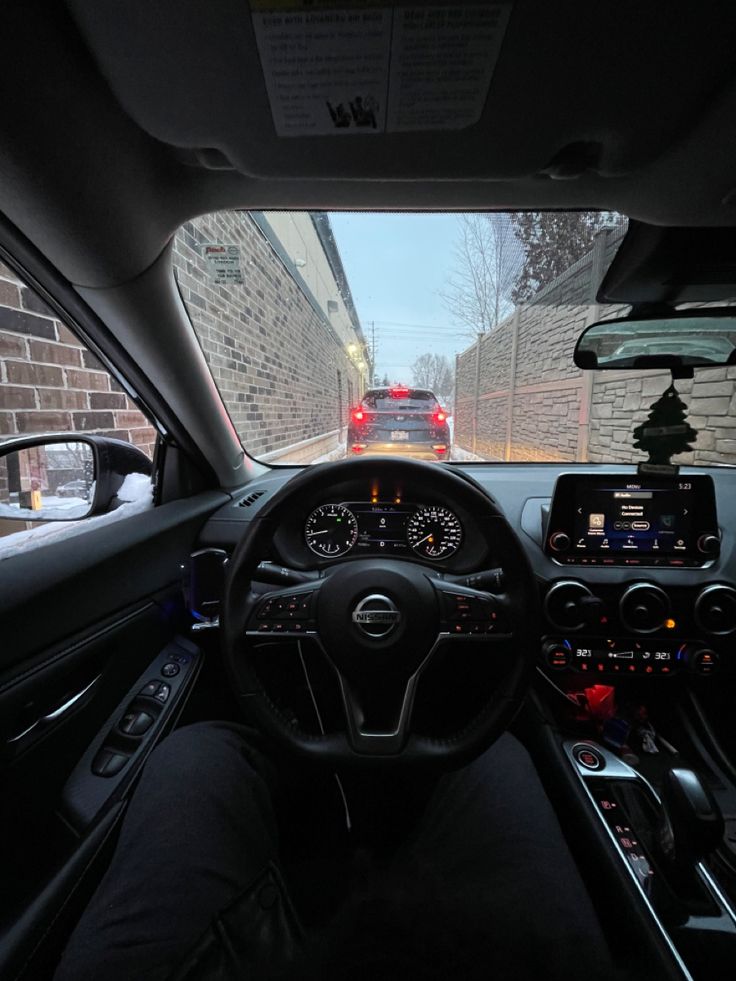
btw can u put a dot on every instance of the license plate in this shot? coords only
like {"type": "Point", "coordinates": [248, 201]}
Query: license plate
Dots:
{"type": "Point", "coordinates": [397, 434]}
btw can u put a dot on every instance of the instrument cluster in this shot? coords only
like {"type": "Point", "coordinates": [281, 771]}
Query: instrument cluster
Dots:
{"type": "Point", "coordinates": [428, 531]}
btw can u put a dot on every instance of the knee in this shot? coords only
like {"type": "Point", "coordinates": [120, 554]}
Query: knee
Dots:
{"type": "Point", "coordinates": [204, 751]}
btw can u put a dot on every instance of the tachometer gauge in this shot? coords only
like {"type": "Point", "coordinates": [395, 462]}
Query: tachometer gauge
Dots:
{"type": "Point", "coordinates": [331, 530]}
{"type": "Point", "coordinates": [435, 533]}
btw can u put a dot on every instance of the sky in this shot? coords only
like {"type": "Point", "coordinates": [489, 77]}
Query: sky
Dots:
{"type": "Point", "coordinates": [395, 264]}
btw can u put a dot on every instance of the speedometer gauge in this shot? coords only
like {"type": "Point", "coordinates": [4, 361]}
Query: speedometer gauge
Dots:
{"type": "Point", "coordinates": [435, 533]}
{"type": "Point", "coordinates": [331, 530]}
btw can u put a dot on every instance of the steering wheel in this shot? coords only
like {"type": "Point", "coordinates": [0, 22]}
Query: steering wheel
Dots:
{"type": "Point", "coordinates": [379, 622]}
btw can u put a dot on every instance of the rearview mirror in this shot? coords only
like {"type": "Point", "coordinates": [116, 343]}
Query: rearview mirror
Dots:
{"type": "Point", "coordinates": [684, 339]}
{"type": "Point", "coordinates": [64, 477]}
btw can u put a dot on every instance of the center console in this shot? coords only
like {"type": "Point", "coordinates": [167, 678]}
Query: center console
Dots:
{"type": "Point", "coordinates": [603, 626]}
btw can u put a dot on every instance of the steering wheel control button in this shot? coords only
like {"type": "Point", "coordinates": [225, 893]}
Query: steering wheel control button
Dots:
{"type": "Point", "coordinates": [150, 689]}
{"type": "Point", "coordinates": [163, 692]}
{"type": "Point", "coordinates": [295, 607]}
{"type": "Point", "coordinates": [376, 616]}
{"type": "Point", "coordinates": [467, 614]}
{"type": "Point", "coordinates": [170, 669]}
{"type": "Point", "coordinates": [588, 757]}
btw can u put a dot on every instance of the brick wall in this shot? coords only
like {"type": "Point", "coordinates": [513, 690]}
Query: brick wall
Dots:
{"type": "Point", "coordinates": [529, 402]}
{"type": "Point", "coordinates": [284, 374]}
{"type": "Point", "coordinates": [49, 382]}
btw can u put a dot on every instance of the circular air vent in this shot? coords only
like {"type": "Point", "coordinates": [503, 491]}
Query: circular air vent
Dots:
{"type": "Point", "coordinates": [563, 604]}
{"type": "Point", "coordinates": [715, 609]}
{"type": "Point", "coordinates": [644, 607]}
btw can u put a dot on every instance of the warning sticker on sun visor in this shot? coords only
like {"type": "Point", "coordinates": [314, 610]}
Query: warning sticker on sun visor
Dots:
{"type": "Point", "coordinates": [357, 66]}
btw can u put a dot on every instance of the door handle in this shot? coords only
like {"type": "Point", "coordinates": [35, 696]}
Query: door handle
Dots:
{"type": "Point", "coordinates": [66, 706]}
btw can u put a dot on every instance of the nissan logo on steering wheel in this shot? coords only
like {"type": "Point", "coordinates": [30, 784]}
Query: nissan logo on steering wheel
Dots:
{"type": "Point", "coordinates": [376, 616]}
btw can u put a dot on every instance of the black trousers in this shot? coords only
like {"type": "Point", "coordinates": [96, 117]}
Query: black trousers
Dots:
{"type": "Point", "coordinates": [477, 882]}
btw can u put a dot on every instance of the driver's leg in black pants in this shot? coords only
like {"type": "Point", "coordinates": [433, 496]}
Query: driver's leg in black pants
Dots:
{"type": "Point", "coordinates": [483, 884]}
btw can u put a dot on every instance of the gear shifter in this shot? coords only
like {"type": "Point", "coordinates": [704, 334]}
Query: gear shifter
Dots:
{"type": "Point", "coordinates": [692, 823]}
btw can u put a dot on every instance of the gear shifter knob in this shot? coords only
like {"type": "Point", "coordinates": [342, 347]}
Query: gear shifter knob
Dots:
{"type": "Point", "coordinates": [692, 823]}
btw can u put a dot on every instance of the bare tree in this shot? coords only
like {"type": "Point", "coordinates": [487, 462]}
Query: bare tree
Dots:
{"type": "Point", "coordinates": [433, 371]}
{"type": "Point", "coordinates": [488, 259]}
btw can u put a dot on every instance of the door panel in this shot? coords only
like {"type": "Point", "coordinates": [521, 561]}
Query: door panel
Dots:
{"type": "Point", "coordinates": [81, 621]}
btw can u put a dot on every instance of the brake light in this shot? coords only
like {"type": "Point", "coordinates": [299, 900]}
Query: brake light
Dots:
{"type": "Point", "coordinates": [399, 393]}
{"type": "Point", "coordinates": [440, 417]}
{"type": "Point", "coordinates": [358, 415]}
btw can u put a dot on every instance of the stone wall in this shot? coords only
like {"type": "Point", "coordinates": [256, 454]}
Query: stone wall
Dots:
{"type": "Point", "coordinates": [49, 382]}
{"type": "Point", "coordinates": [527, 401]}
{"type": "Point", "coordinates": [283, 372]}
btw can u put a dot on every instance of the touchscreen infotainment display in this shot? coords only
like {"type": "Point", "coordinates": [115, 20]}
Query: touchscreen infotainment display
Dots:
{"type": "Point", "coordinates": [633, 518]}
{"type": "Point", "coordinates": [616, 519]}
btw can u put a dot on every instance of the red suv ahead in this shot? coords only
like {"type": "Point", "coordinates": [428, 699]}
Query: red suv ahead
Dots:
{"type": "Point", "coordinates": [409, 421]}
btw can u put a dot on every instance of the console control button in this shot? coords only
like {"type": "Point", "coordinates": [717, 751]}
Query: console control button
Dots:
{"type": "Point", "coordinates": [163, 692]}
{"type": "Point", "coordinates": [588, 757]}
{"type": "Point", "coordinates": [108, 763]}
{"type": "Point", "coordinates": [150, 689]}
{"type": "Point", "coordinates": [559, 541]}
{"type": "Point", "coordinates": [557, 656]}
{"type": "Point", "coordinates": [135, 723]}
{"type": "Point", "coordinates": [704, 661]}
{"type": "Point", "coordinates": [170, 669]}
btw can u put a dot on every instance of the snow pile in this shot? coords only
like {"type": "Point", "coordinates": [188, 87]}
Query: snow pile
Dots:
{"type": "Point", "coordinates": [136, 493]}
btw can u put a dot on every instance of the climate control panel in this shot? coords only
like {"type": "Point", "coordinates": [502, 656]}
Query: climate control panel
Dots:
{"type": "Point", "coordinates": [628, 657]}
{"type": "Point", "coordinates": [638, 628]}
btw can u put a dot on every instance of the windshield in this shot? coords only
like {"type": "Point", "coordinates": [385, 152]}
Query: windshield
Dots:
{"type": "Point", "coordinates": [443, 337]}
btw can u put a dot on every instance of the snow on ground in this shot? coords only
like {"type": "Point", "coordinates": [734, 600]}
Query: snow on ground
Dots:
{"type": "Point", "coordinates": [136, 493]}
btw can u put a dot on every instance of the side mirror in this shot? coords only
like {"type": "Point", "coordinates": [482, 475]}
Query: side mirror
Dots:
{"type": "Point", "coordinates": [64, 477]}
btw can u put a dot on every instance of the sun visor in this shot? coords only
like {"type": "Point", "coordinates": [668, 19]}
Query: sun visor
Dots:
{"type": "Point", "coordinates": [672, 265]}
{"type": "Point", "coordinates": [410, 89]}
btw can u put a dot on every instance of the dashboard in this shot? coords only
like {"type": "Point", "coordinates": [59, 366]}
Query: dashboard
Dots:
{"type": "Point", "coordinates": [637, 576]}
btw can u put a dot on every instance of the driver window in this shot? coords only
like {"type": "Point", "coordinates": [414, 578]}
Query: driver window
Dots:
{"type": "Point", "coordinates": [51, 383]}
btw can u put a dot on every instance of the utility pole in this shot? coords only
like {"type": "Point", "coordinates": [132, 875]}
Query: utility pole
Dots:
{"type": "Point", "coordinates": [373, 352]}
{"type": "Point", "coordinates": [474, 442]}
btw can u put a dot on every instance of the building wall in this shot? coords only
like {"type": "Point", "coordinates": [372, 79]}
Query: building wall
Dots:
{"type": "Point", "coordinates": [49, 382]}
{"type": "Point", "coordinates": [287, 368]}
{"type": "Point", "coordinates": [284, 371]}
{"type": "Point", "coordinates": [529, 402]}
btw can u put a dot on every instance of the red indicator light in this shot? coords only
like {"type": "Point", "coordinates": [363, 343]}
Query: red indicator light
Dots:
{"type": "Point", "coordinates": [358, 447]}
{"type": "Point", "coordinates": [399, 392]}
{"type": "Point", "coordinates": [440, 417]}
{"type": "Point", "coordinates": [358, 415]}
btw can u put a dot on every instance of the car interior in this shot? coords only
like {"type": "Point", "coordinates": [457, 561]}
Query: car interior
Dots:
{"type": "Point", "coordinates": [373, 615]}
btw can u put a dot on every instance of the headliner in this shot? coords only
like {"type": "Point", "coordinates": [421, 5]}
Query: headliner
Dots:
{"type": "Point", "coordinates": [111, 134]}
